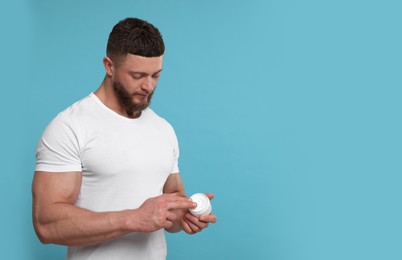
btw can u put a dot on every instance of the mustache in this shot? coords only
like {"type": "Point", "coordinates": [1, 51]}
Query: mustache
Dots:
{"type": "Point", "coordinates": [143, 93]}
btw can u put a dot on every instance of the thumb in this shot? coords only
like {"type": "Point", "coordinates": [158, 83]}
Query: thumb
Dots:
{"type": "Point", "coordinates": [210, 195]}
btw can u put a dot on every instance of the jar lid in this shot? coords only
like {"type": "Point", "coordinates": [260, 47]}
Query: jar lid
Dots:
{"type": "Point", "coordinates": [203, 205]}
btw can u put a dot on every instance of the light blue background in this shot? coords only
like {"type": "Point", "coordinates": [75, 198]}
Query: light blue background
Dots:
{"type": "Point", "coordinates": [289, 111]}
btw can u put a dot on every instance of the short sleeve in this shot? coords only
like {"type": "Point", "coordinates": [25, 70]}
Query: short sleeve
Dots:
{"type": "Point", "coordinates": [176, 154]}
{"type": "Point", "coordinates": [58, 149]}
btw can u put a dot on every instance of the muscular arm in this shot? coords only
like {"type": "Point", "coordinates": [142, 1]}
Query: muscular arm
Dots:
{"type": "Point", "coordinates": [174, 184]}
{"type": "Point", "coordinates": [57, 220]}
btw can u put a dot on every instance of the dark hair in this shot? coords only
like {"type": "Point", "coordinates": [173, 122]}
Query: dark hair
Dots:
{"type": "Point", "coordinates": [134, 36]}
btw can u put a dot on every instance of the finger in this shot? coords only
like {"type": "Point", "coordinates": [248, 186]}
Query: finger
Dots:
{"type": "Point", "coordinates": [186, 227]}
{"type": "Point", "coordinates": [194, 228]}
{"type": "Point", "coordinates": [181, 205]}
{"type": "Point", "coordinates": [211, 218]}
{"type": "Point", "coordinates": [210, 195]}
{"type": "Point", "coordinates": [176, 197]}
{"type": "Point", "coordinates": [168, 224]}
{"type": "Point", "coordinates": [196, 221]}
{"type": "Point", "coordinates": [171, 216]}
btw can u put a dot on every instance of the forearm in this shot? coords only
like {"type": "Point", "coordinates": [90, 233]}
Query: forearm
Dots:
{"type": "Point", "coordinates": [66, 224]}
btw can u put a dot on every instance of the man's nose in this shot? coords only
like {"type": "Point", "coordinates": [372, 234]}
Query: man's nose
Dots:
{"type": "Point", "coordinates": [148, 84]}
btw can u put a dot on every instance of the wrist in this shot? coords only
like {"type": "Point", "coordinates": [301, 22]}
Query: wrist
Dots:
{"type": "Point", "coordinates": [127, 221]}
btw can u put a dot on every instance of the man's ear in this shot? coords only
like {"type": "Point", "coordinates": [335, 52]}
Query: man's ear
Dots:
{"type": "Point", "coordinates": [109, 67]}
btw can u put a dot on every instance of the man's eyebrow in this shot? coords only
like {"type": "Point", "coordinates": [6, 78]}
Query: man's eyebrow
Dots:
{"type": "Point", "coordinates": [144, 73]}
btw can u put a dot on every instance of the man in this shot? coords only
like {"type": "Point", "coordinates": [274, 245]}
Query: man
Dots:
{"type": "Point", "coordinates": [106, 181]}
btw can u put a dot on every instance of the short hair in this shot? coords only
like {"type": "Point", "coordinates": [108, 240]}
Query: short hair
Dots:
{"type": "Point", "coordinates": [134, 36]}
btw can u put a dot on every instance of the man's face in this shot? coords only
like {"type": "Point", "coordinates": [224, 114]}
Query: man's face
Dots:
{"type": "Point", "coordinates": [134, 82]}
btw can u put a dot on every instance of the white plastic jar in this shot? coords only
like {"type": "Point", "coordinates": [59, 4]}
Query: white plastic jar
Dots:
{"type": "Point", "coordinates": [203, 205]}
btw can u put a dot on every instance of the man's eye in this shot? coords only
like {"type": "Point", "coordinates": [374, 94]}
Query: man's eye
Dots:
{"type": "Point", "coordinates": [136, 76]}
{"type": "Point", "coordinates": [156, 76]}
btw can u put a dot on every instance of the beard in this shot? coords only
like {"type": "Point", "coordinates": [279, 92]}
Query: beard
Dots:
{"type": "Point", "coordinates": [125, 99]}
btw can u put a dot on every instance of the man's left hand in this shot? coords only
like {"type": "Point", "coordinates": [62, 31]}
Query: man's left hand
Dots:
{"type": "Point", "coordinates": [192, 224]}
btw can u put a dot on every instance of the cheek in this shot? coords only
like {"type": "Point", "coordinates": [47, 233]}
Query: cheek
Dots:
{"type": "Point", "coordinates": [155, 82]}
{"type": "Point", "coordinates": [130, 84]}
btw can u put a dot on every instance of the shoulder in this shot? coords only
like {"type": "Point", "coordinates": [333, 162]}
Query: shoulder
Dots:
{"type": "Point", "coordinates": [150, 115]}
{"type": "Point", "coordinates": [77, 111]}
{"type": "Point", "coordinates": [70, 118]}
{"type": "Point", "coordinates": [79, 108]}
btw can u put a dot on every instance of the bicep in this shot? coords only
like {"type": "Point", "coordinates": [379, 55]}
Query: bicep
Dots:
{"type": "Point", "coordinates": [174, 184]}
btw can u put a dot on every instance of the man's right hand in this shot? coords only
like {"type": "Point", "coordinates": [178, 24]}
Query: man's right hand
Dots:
{"type": "Point", "coordinates": [156, 213]}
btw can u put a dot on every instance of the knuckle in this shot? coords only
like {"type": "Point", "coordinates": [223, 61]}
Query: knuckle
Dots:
{"type": "Point", "coordinates": [162, 213]}
{"type": "Point", "coordinates": [168, 224]}
{"type": "Point", "coordinates": [196, 229]}
{"type": "Point", "coordinates": [203, 225]}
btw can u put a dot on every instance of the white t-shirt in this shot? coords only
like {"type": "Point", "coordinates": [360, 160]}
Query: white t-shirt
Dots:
{"type": "Point", "coordinates": [123, 162]}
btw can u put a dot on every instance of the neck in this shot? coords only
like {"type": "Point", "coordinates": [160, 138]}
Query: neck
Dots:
{"type": "Point", "coordinates": [108, 97]}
